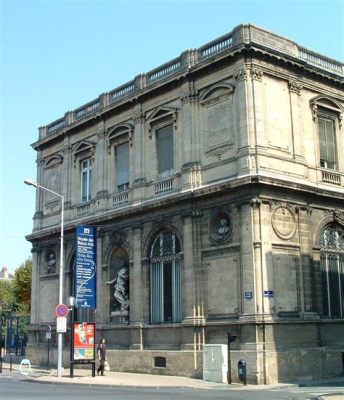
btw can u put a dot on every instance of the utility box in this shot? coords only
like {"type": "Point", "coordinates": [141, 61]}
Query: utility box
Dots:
{"type": "Point", "coordinates": [215, 363]}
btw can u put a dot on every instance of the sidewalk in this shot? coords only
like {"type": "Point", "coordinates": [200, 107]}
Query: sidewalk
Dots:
{"type": "Point", "coordinates": [134, 380]}
{"type": "Point", "coordinates": [84, 377]}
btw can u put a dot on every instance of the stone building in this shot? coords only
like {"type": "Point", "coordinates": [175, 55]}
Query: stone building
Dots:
{"type": "Point", "coordinates": [216, 183]}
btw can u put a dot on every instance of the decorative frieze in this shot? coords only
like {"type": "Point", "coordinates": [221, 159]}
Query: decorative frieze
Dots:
{"type": "Point", "coordinates": [190, 97]}
{"type": "Point", "coordinates": [295, 87]}
{"type": "Point", "coordinates": [241, 74]}
{"type": "Point", "coordinates": [256, 74]}
{"type": "Point", "coordinates": [338, 216]}
{"type": "Point", "coordinates": [139, 118]}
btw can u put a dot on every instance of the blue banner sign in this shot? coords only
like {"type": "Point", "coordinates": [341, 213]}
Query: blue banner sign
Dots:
{"type": "Point", "coordinates": [85, 269]}
{"type": "Point", "coordinates": [268, 293]}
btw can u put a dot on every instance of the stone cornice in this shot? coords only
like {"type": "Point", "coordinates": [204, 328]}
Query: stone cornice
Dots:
{"type": "Point", "coordinates": [244, 38]}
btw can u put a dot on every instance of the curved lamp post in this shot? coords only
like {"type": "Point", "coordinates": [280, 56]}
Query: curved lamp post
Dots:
{"type": "Point", "coordinates": [30, 182]}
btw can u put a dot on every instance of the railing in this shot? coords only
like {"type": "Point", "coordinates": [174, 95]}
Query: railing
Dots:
{"type": "Point", "coordinates": [243, 35]}
{"type": "Point", "coordinates": [165, 186]}
{"type": "Point", "coordinates": [89, 108]}
{"type": "Point", "coordinates": [122, 91]}
{"type": "Point", "coordinates": [55, 126]}
{"type": "Point", "coordinates": [120, 199]}
{"type": "Point", "coordinates": [331, 177]}
{"type": "Point", "coordinates": [320, 61]}
{"type": "Point", "coordinates": [216, 47]}
{"type": "Point", "coordinates": [83, 209]}
{"type": "Point", "coordinates": [166, 69]}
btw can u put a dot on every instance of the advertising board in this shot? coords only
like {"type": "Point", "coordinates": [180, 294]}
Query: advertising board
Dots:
{"type": "Point", "coordinates": [84, 341]}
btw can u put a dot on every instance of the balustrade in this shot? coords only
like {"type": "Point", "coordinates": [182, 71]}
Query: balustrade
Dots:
{"type": "Point", "coordinates": [164, 70]}
{"type": "Point", "coordinates": [89, 108]}
{"type": "Point", "coordinates": [165, 186]}
{"type": "Point", "coordinates": [320, 61]}
{"type": "Point", "coordinates": [122, 91]}
{"type": "Point", "coordinates": [83, 209]}
{"type": "Point", "coordinates": [331, 177]}
{"type": "Point", "coordinates": [216, 47]}
{"type": "Point", "coordinates": [242, 35]}
{"type": "Point", "coordinates": [120, 199]}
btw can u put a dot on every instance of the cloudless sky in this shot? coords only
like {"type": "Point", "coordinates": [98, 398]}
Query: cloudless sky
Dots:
{"type": "Point", "coordinates": [58, 55]}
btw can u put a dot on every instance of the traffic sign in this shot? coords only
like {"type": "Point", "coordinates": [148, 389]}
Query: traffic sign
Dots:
{"type": "Point", "coordinates": [61, 310]}
{"type": "Point", "coordinates": [61, 324]}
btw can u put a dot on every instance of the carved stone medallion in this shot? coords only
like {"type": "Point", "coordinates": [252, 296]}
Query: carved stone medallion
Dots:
{"type": "Point", "coordinates": [283, 222]}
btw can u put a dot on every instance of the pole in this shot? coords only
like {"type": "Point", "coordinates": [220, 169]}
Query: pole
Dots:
{"type": "Point", "coordinates": [48, 360]}
{"type": "Point", "coordinates": [59, 339]}
{"type": "Point", "coordinates": [71, 368]}
{"type": "Point", "coordinates": [229, 375]}
{"type": "Point", "coordinates": [30, 182]}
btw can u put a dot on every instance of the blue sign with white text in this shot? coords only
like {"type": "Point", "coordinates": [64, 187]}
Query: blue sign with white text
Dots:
{"type": "Point", "coordinates": [85, 268]}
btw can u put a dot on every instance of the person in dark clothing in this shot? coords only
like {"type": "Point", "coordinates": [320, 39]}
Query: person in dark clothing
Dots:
{"type": "Point", "coordinates": [101, 352]}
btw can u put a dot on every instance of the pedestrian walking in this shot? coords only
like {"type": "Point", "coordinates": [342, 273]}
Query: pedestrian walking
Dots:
{"type": "Point", "coordinates": [101, 352]}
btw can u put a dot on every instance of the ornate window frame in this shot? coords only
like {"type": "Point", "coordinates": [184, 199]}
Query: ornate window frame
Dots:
{"type": "Point", "coordinates": [328, 108]}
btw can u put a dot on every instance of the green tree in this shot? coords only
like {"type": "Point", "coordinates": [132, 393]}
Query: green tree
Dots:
{"type": "Point", "coordinates": [22, 286]}
{"type": "Point", "coordinates": [6, 294]}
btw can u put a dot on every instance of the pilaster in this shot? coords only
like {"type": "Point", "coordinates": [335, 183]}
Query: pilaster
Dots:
{"type": "Point", "coordinates": [256, 75]}
{"type": "Point", "coordinates": [295, 88]}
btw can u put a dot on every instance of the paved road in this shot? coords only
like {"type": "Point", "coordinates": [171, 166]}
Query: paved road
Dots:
{"type": "Point", "coordinates": [16, 387]}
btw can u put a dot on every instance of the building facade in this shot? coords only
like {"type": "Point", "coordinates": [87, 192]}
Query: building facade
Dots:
{"type": "Point", "coordinates": [216, 183]}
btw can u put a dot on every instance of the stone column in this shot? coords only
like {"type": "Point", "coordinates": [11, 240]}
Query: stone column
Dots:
{"type": "Point", "coordinates": [102, 314]}
{"type": "Point", "coordinates": [35, 296]}
{"type": "Point", "coordinates": [138, 157]}
{"type": "Point", "coordinates": [136, 312]}
{"type": "Point", "coordinates": [295, 88]}
{"type": "Point", "coordinates": [193, 284]}
{"type": "Point", "coordinates": [136, 303]}
{"type": "Point", "coordinates": [250, 306]}
{"type": "Point", "coordinates": [101, 168]}
{"type": "Point", "coordinates": [66, 170]}
{"type": "Point", "coordinates": [257, 246]}
{"type": "Point", "coordinates": [189, 143]}
{"type": "Point", "coordinates": [266, 256]}
{"type": "Point", "coordinates": [242, 98]}
{"type": "Point", "coordinates": [258, 107]}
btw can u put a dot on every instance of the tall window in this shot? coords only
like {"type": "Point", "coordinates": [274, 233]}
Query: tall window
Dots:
{"type": "Point", "coordinates": [122, 166]}
{"type": "Point", "coordinates": [332, 270]}
{"type": "Point", "coordinates": [86, 180]}
{"type": "Point", "coordinates": [165, 152]}
{"type": "Point", "coordinates": [327, 141]}
{"type": "Point", "coordinates": [165, 266]}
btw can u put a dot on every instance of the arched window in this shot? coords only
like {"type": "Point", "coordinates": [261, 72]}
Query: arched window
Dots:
{"type": "Point", "coordinates": [165, 266]}
{"type": "Point", "coordinates": [332, 270]}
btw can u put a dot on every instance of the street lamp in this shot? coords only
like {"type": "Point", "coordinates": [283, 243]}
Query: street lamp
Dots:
{"type": "Point", "coordinates": [30, 182]}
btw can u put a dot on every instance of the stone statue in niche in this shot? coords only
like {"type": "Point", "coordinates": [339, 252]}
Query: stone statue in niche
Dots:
{"type": "Point", "coordinates": [51, 263]}
{"type": "Point", "coordinates": [121, 288]}
{"type": "Point", "coordinates": [220, 228]}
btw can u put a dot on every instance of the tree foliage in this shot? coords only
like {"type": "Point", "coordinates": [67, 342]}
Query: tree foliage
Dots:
{"type": "Point", "coordinates": [6, 294]}
{"type": "Point", "coordinates": [22, 286]}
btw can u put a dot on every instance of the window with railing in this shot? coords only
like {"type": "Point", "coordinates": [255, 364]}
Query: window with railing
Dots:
{"type": "Point", "coordinates": [328, 115]}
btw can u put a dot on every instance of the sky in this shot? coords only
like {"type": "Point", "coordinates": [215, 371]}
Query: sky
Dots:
{"type": "Point", "coordinates": [57, 55]}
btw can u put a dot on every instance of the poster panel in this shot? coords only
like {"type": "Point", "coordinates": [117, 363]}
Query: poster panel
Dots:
{"type": "Point", "coordinates": [84, 341]}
